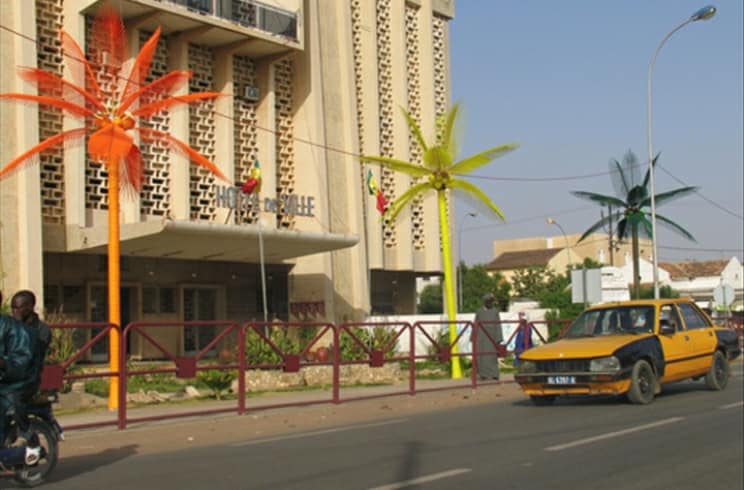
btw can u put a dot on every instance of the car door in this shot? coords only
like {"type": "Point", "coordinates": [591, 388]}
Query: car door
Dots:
{"type": "Point", "coordinates": [677, 346]}
{"type": "Point", "coordinates": [701, 333]}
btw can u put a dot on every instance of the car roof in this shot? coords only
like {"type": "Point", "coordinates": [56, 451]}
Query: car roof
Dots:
{"type": "Point", "coordinates": [642, 302]}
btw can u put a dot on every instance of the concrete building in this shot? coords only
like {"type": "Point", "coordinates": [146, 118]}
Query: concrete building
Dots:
{"type": "Point", "coordinates": [312, 84]}
{"type": "Point", "coordinates": [694, 279]}
{"type": "Point", "coordinates": [698, 280]}
{"type": "Point", "coordinates": [559, 252]}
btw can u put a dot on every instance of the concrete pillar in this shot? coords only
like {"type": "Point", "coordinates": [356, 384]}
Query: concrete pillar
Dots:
{"type": "Point", "coordinates": [21, 255]}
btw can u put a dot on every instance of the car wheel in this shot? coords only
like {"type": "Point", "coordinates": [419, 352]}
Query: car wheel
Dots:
{"type": "Point", "coordinates": [718, 374]}
{"type": "Point", "coordinates": [642, 384]}
{"type": "Point", "coordinates": [542, 400]}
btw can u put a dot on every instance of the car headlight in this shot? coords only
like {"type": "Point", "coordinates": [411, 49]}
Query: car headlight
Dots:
{"type": "Point", "coordinates": [526, 367]}
{"type": "Point", "coordinates": [605, 364]}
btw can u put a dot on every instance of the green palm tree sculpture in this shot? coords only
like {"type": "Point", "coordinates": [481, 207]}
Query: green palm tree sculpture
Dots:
{"type": "Point", "coordinates": [440, 170]}
{"type": "Point", "coordinates": [628, 210]}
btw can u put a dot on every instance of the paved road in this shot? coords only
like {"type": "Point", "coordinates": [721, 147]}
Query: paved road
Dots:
{"type": "Point", "coordinates": [689, 438]}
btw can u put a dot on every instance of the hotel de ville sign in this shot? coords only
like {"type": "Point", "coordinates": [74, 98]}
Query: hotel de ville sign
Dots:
{"type": "Point", "coordinates": [233, 198]}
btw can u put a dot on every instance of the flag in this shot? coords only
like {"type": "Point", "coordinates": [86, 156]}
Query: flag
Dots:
{"type": "Point", "coordinates": [253, 183]}
{"type": "Point", "coordinates": [381, 202]}
{"type": "Point", "coordinates": [372, 186]}
{"type": "Point", "coordinates": [374, 190]}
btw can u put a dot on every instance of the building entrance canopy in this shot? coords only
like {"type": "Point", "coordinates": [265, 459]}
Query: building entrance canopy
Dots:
{"type": "Point", "coordinates": [207, 241]}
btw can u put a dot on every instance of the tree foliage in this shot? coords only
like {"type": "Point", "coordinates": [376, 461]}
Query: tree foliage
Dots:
{"type": "Point", "coordinates": [647, 292]}
{"type": "Point", "coordinates": [476, 282]}
{"type": "Point", "coordinates": [630, 207]}
{"type": "Point", "coordinates": [551, 291]}
{"type": "Point", "coordinates": [430, 299]}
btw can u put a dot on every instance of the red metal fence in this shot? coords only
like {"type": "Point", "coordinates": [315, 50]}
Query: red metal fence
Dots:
{"type": "Point", "coordinates": [351, 344]}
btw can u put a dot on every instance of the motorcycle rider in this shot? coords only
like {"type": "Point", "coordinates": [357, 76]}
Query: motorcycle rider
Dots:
{"type": "Point", "coordinates": [15, 370]}
{"type": "Point", "coordinates": [22, 305]}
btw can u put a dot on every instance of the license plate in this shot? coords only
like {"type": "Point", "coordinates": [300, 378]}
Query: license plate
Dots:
{"type": "Point", "coordinates": [561, 380]}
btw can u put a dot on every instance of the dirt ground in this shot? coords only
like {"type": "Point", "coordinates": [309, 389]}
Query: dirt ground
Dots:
{"type": "Point", "coordinates": [172, 435]}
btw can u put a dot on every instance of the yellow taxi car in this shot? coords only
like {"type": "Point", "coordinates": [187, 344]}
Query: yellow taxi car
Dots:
{"type": "Point", "coordinates": [631, 348]}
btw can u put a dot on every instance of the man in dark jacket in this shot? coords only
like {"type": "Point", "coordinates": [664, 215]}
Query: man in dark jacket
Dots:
{"type": "Point", "coordinates": [23, 305]}
{"type": "Point", "coordinates": [15, 363]}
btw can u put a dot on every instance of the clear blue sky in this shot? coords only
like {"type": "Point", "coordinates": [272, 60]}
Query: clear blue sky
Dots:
{"type": "Point", "coordinates": [567, 80]}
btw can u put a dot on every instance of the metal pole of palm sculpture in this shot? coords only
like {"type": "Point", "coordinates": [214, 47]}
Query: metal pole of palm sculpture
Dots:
{"type": "Point", "coordinates": [109, 123]}
{"type": "Point", "coordinates": [440, 170]}
{"type": "Point", "coordinates": [704, 13]}
{"type": "Point", "coordinates": [459, 260]}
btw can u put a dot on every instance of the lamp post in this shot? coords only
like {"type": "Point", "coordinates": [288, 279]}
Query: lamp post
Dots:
{"type": "Point", "coordinates": [704, 13]}
{"type": "Point", "coordinates": [459, 260]}
{"type": "Point", "coordinates": [551, 221]}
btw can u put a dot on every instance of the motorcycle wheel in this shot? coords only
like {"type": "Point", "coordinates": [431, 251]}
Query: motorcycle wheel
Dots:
{"type": "Point", "coordinates": [31, 476]}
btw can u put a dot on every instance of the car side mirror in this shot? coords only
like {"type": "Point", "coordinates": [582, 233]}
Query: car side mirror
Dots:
{"type": "Point", "coordinates": [666, 329]}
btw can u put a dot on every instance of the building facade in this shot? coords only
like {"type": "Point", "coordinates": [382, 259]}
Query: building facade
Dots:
{"type": "Point", "coordinates": [562, 251]}
{"type": "Point", "coordinates": [310, 85]}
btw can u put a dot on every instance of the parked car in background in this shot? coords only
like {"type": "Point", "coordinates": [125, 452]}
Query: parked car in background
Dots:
{"type": "Point", "coordinates": [631, 348]}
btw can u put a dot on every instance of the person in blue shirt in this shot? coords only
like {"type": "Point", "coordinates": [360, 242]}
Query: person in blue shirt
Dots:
{"type": "Point", "coordinates": [523, 339]}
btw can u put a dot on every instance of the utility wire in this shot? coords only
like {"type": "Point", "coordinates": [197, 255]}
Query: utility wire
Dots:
{"type": "Point", "coordinates": [41, 45]}
{"type": "Point", "coordinates": [704, 198]}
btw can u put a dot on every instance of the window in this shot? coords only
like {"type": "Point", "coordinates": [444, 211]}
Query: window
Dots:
{"type": "Point", "coordinates": [693, 318]}
{"type": "Point", "coordinates": [73, 299]}
{"type": "Point", "coordinates": [167, 300]}
{"type": "Point", "coordinates": [670, 317]}
{"type": "Point", "coordinates": [51, 299]}
{"type": "Point", "coordinates": [158, 300]}
{"type": "Point", "coordinates": [149, 299]}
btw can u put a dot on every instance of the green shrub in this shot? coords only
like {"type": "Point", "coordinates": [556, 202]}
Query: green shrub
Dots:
{"type": "Point", "coordinates": [217, 380]}
{"type": "Point", "coordinates": [377, 338]}
{"type": "Point", "coordinates": [257, 351]}
{"type": "Point", "coordinates": [64, 344]}
{"type": "Point", "coordinates": [162, 382]}
{"type": "Point", "coordinates": [97, 386]}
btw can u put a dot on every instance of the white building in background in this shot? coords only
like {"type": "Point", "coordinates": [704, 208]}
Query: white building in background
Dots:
{"type": "Point", "coordinates": [698, 279]}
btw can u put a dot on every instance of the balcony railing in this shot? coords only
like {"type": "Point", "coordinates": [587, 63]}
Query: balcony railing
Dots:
{"type": "Point", "coordinates": [247, 13]}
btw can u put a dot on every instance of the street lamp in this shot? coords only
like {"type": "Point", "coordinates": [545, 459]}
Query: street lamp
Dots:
{"type": "Point", "coordinates": [704, 13]}
{"type": "Point", "coordinates": [551, 221]}
{"type": "Point", "coordinates": [459, 260]}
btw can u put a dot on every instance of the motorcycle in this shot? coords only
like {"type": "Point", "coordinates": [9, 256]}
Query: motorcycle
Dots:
{"type": "Point", "coordinates": [44, 433]}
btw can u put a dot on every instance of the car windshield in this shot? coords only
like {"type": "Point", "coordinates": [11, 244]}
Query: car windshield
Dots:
{"type": "Point", "coordinates": [613, 320]}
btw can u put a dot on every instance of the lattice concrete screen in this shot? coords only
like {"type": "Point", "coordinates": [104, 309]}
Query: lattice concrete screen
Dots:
{"type": "Point", "coordinates": [285, 175]}
{"type": "Point", "coordinates": [202, 134]}
{"type": "Point", "coordinates": [49, 19]}
{"type": "Point", "coordinates": [413, 72]}
{"type": "Point", "coordinates": [245, 129]}
{"type": "Point", "coordinates": [385, 88]}
{"type": "Point", "coordinates": [155, 195]}
{"type": "Point", "coordinates": [356, 37]}
{"type": "Point", "coordinates": [441, 96]}
{"type": "Point", "coordinates": [96, 175]}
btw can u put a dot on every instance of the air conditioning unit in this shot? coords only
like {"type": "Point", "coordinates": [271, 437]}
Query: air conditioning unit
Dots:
{"type": "Point", "coordinates": [250, 93]}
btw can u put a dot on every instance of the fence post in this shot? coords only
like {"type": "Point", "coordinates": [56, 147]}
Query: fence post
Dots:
{"type": "Point", "coordinates": [336, 361]}
{"type": "Point", "coordinates": [412, 360]}
{"type": "Point", "coordinates": [241, 370]}
{"type": "Point", "coordinates": [474, 352]}
{"type": "Point", "coordinates": [122, 409]}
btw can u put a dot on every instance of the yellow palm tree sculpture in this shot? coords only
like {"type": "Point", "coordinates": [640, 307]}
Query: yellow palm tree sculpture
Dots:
{"type": "Point", "coordinates": [440, 170]}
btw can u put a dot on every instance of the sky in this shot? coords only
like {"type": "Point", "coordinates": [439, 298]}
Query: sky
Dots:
{"type": "Point", "coordinates": [568, 81]}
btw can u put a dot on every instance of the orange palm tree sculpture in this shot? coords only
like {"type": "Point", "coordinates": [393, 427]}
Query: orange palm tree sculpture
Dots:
{"type": "Point", "coordinates": [109, 119]}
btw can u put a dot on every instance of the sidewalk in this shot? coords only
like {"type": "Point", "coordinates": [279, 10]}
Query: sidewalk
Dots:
{"type": "Point", "coordinates": [266, 401]}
